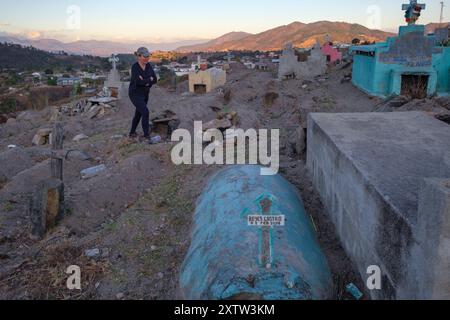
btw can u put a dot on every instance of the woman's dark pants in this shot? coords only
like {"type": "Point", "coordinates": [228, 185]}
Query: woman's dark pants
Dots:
{"type": "Point", "coordinates": [141, 114]}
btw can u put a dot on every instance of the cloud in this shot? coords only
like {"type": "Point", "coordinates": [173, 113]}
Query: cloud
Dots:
{"type": "Point", "coordinates": [33, 34]}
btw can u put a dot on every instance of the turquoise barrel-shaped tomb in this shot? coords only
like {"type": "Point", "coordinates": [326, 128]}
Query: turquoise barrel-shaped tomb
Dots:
{"type": "Point", "coordinates": [252, 239]}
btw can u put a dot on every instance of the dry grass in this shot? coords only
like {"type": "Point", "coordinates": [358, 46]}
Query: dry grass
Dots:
{"type": "Point", "coordinates": [417, 89]}
{"type": "Point", "coordinates": [44, 277]}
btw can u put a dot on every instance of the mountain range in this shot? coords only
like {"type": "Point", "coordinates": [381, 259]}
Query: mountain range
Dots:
{"type": "Point", "coordinates": [226, 38]}
{"type": "Point", "coordinates": [93, 47]}
{"type": "Point", "coordinates": [302, 35]}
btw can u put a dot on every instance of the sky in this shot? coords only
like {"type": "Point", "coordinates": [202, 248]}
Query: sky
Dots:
{"type": "Point", "coordinates": [165, 21]}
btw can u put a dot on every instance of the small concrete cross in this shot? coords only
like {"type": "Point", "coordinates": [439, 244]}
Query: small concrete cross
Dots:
{"type": "Point", "coordinates": [114, 59]}
{"type": "Point", "coordinates": [266, 221]}
{"type": "Point", "coordinates": [413, 10]}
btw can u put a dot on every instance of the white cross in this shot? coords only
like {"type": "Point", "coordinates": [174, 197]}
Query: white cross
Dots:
{"type": "Point", "coordinates": [114, 59]}
{"type": "Point", "coordinates": [264, 203]}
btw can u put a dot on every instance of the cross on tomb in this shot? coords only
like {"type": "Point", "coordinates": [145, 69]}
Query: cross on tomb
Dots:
{"type": "Point", "coordinates": [266, 222]}
{"type": "Point", "coordinates": [413, 10]}
{"type": "Point", "coordinates": [114, 59]}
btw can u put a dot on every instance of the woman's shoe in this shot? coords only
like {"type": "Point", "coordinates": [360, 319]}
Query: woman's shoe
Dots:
{"type": "Point", "coordinates": [144, 138]}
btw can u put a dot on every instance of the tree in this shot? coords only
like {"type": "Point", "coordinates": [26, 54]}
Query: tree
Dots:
{"type": "Point", "coordinates": [48, 71]}
{"type": "Point", "coordinates": [183, 60]}
{"type": "Point", "coordinates": [77, 89]}
{"type": "Point", "coordinates": [8, 106]}
{"type": "Point", "coordinates": [51, 81]}
{"type": "Point", "coordinates": [356, 41]}
{"type": "Point", "coordinates": [13, 79]}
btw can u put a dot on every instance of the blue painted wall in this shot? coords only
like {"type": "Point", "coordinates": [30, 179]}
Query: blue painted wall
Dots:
{"type": "Point", "coordinates": [442, 66]}
{"type": "Point", "coordinates": [410, 53]}
{"type": "Point", "coordinates": [225, 259]}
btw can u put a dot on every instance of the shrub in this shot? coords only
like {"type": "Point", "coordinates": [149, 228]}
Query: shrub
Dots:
{"type": "Point", "coordinates": [7, 106]}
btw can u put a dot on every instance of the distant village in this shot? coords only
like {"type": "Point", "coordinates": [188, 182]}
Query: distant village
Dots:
{"type": "Point", "coordinates": [181, 66]}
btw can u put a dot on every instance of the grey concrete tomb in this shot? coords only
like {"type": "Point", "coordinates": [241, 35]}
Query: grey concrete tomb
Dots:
{"type": "Point", "coordinates": [384, 179]}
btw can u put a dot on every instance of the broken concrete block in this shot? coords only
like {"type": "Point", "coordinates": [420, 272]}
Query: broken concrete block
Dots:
{"type": "Point", "coordinates": [11, 121]}
{"type": "Point", "coordinates": [38, 141]}
{"type": "Point", "coordinates": [92, 253]}
{"type": "Point", "coordinates": [78, 155]}
{"type": "Point", "coordinates": [444, 102]}
{"type": "Point", "coordinates": [94, 111]}
{"type": "Point", "coordinates": [42, 137]}
{"type": "Point", "coordinates": [56, 115]}
{"type": "Point", "coordinates": [44, 132]}
{"type": "Point", "coordinates": [233, 117]}
{"type": "Point", "coordinates": [80, 137]}
{"type": "Point", "coordinates": [93, 172]}
{"type": "Point", "coordinates": [217, 124]}
{"type": "Point", "coordinates": [47, 207]}
{"type": "Point", "coordinates": [102, 112]}
{"type": "Point", "coordinates": [397, 102]}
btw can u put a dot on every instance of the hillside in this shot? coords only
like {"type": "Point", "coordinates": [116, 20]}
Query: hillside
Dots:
{"type": "Point", "coordinates": [94, 47]}
{"type": "Point", "coordinates": [433, 26]}
{"type": "Point", "coordinates": [232, 36]}
{"type": "Point", "coordinates": [14, 56]}
{"type": "Point", "coordinates": [301, 34]}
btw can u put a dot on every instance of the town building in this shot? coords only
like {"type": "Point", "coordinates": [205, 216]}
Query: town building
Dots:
{"type": "Point", "coordinates": [68, 81]}
{"type": "Point", "coordinates": [262, 66]}
{"type": "Point", "coordinates": [333, 54]}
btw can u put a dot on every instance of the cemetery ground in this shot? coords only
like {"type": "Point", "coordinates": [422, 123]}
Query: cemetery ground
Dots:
{"type": "Point", "coordinates": [128, 228]}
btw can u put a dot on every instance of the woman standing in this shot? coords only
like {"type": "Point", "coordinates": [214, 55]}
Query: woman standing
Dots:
{"type": "Point", "coordinates": [143, 77]}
